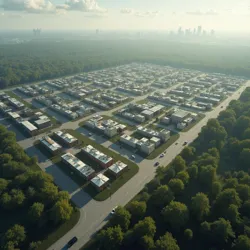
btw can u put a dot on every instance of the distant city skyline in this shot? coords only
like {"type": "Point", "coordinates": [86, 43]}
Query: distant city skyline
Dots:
{"type": "Point", "coordinates": [230, 15]}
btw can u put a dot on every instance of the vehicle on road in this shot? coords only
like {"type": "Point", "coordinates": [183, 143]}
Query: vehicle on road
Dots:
{"type": "Point", "coordinates": [113, 210]}
{"type": "Point", "coordinates": [133, 157]}
{"type": "Point", "coordinates": [176, 143]}
{"type": "Point", "coordinates": [72, 242]}
{"type": "Point", "coordinates": [185, 143]}
{"type": "Point", "coordinates": [221, 106]}
{"type": "Point", "coordinates": [90, 134]}
{"type": "Point", "coordinates": [156, 164]}
{"type": "Point", "coordinates": [162, 155]}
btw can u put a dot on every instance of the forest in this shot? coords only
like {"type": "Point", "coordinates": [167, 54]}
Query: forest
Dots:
{"type": "Point", "coordinates": [200, 201]}
{"type": "Point", "coordinates": [31, 206]}
{"type": "Point", "coordinates": [37, 61]}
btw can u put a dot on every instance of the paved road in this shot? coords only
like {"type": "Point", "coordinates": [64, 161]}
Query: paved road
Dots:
{"type": "Point", "coordinates": [95, 214]}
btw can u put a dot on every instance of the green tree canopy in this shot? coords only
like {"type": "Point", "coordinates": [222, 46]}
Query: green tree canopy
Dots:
{"type": "Point", "coordinates": [176, 185]}
{"type": "Point", "coordinates": [162, 196]}
{"type": "Point", "coordinates": [200, 207]}
{"type": "Point", "coordinates": [166, 242]}
{"type": "Point", "coordinates": [121, 217]}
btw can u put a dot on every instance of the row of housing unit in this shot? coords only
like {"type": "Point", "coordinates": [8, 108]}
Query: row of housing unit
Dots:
{"type": "Point", "coordinates": [108, 127]}
{"type": "Point", "coordinates": [145, 145]}
{"type": "Point", "coordinates": [145, 112]}
{"type": "Point", "coordinates": [99, 181]}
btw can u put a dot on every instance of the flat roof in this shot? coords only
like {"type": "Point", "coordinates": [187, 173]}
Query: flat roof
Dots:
{"type": "Point", "coordinates": [14, 115]}
{"type": "Point", "coordinates": [50, 143]}
{"type": "Point", "coordinates": [117, 167]}
{"type": "Point", "coordinates": [77, 164]}
{"type": "Point", "coordinates": [180, 113]}
{"type": "Point", "coordinates": [97, 154]}
{"type": "Point", "coordinates": [29, 126]}
{"type": "Point", "coordinates": [66, 136]}
{"type": "Point", "coordinates": [99, 180]}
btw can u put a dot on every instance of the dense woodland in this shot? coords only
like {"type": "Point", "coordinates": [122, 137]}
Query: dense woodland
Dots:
{"type": "Point", "coordinates": [200, 201]}
{"type": "Point", "coordinates": [33, 61]}
{"type": "Point", "coordinates": [31, 206]}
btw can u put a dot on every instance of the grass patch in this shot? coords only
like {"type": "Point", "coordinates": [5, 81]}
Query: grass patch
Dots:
{"type": "Point", "coordinates": [60, 231]}
{"type": "Point", "coordinates": [200, 117]}
{"type": "Point", "coordinates": [115, 183]}
{"type": "Point", "coordinates": [143, 101]}
{"type": "Point", "coordinates": [163, 147]}
{"type": "Point", "coordinates": [27, 104]}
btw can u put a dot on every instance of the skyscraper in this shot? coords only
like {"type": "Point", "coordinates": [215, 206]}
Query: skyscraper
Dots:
{"type": "Point", "coordinates": [199, 30]}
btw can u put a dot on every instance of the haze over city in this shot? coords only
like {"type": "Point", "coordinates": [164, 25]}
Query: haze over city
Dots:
{"type": "Point", "coordinates": [223, 15]}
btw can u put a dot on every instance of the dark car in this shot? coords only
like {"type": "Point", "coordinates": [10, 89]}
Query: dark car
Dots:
{"type": "Point", "coordinates": [156, 164]}
{"type": "Point", "coordinates": [185, 143]}
{"type": "Point", "coordinates": [72, 242]}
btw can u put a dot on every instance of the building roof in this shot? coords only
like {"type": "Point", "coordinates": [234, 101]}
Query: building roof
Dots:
{"type": "Point", "coordinates": [50, 143]}
{"type": "Point", "coordinates": [180, 113]}
{"type": "Point", "coordinates": [14, 115]}
{"type": "Point", "coordinates": [157, 108]}
{"type": "Point", "coordinates": [99, 180]}
{"type": "Point", "coordinates": [66, 136]}
{"type": "Point", "coordinates": [29, 126]}
{"type": "Point", "coordinates": [117, 167]}
{"type": "Point", "coordinates": [78, 165]}
{"type": "Point", "coordinates": [97, 154]}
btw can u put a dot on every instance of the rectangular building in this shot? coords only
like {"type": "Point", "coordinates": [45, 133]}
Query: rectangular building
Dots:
{"type": "Point", "coordinates": [42, 122]}
{"type": "Point", "coordinates": [99, 157]}
{"type": "Point", "coordinates": [117, 168]}
{"type": "Point", "coordinates": [66, 138]}
{"type": "Point", "coordinates": [50, 145]}
{"type": "Point", "coordinates": [179, 116]}
{"type": "Point", "coordinates": [29, 127]}
{"type": "Point", "coordinates": [100, 182]}
{"type": "Point", "coordinates": [77, 165]}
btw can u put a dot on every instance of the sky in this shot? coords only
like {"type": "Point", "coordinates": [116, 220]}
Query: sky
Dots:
{"type": "Point", "coordinates": [227, 15]}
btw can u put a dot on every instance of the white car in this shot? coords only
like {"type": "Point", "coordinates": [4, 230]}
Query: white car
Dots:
{"type": "Point", "coordinates": [113, 210]}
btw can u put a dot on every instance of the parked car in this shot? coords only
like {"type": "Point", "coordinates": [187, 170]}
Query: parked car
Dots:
{"type": "Point", "coordinates": [157, 164]}
{"type": "Point", "coordinates": [90, 134]}
{"type": "Point", "coordinates": [133, 157]}
{"type": "Point", "coordinates": [185, 143]}
{"type": "Point", "coordinates": [72, 242]}
{"type": "Point", "coordinates": [162, 155]}
{"type": "Point", "coordinates": [221, 106]}
{"type": "Point", "coordinates": [113, 210]}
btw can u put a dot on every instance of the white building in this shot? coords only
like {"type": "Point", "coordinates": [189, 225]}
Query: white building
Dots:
{"type": "Point", "coordinates": [100, 182]}
{"type": "Point", "coordinates": [66, 138]}
{"type": "Point", "coordinates": [165, 120]}
{"type": "Point", "coordinates": [50, 144]}
{"type": "Point", "coordinates": [181, 125]}
{"type": "Point", "coordinates": [128, 140]}
{"type": "Point", "coordinates": [117, 168]}
{"type": "Point", "coordinates": [80, 167]}
{"type": "Point", "coordinates": [29, 127]}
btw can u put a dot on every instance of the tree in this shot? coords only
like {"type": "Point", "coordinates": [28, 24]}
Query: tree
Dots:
{"type": "Point", "coordinates": [230, 183]}
{"type": "Point", "coordinates": [179, 164]}
{"type": "Point", "coordinates": [242, 123]}
{"type": "Point", "coordinates": [34, 245]}
{"type": "Point", "coordinates": [176, 214]}
{"type": "Point", "coordinates": [137, 209]}
{"type": "Point", "coordinates": [216, 188]}
{"type": "Point", "coordinates": [200, 207]}
{"type": "Point", "coordinates": [147, 242]}
{"type": "Point", "coordinates": [246, 134]}
{"type": "Point", "coordinates": [242, 243]}
{"type": "Point", "coordinates": [121, 217]}
{"type": "Point", "coordinates": [193, 172]}
{"type": "Point", "coordinates": [245, 158]}
{"type": "Point", "coordinates": [232, 214]}
{"type": "Point", "coordinates": [166, 242]}
{"type": "Point", "coordinates": [188, 153]}
{"type": "Point", "coordinates": [221, 231]}
{"type": "Point", "coordinates": [35, 211]}
{"type": "Point", "coordinates": [145, 227]}
{"type": "Point", "coordinates": [63, 195]}
{"type": "Point", "coordinates": [3, 185]}
{"type": "Point", "coordinates": [207, 175]}
{"type": "Point", "coordinates": [154, 184]}
{"type": "Point", "coordinates": [225, 199]}
{"type": "Point", "coordinates": [176, 185]}
{"type": "Point", "coordinates": [162, 196]}
{"type": "Point", "coordinates": [244, 191]}
{"type": "Point", "coordinates": [246, 209]}
{"type": "Point", "coordinates": [15, 234]}
{"type": "Point", "coordinates": [184, 176]}
{"type": "Point", "coordinates": [144, 197]}
{"type": "Point", "coordinates": [111, 238]}
{"type": "Point", "coordinates": [188, 234]}
{"type": "Point", "coordinates": [61, 211]}
{"type": "Point", "coordinates": [49, 192]}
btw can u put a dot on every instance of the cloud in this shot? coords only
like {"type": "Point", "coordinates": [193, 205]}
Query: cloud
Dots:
{"type": "Point", "coordinates": [96, 15]}
{"type": "Point", "coordinates": [82, 5]}
{"type": "Point", "coordinates": [147, 14]}
{"type": "Point", "coordinates": [202, 13]}
{"type": "Point", "coordinates": [127, 11]}
{"type": "Point", "coordinates": [32, 6]}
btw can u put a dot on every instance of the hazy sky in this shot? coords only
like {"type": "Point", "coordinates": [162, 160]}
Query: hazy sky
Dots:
{"type": "Point", "coordinates": [125, 14]}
